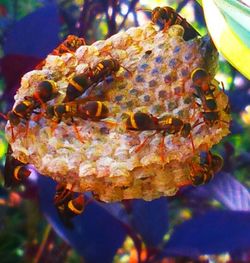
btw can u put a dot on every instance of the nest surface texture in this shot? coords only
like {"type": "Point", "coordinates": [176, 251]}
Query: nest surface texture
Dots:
{"type": "Point", "coordinates": [155, 78]}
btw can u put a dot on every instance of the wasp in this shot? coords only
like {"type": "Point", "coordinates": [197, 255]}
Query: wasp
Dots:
{"type": "Point", "coordinates": [77, 86]}
{"type": "Point", "coordinates": [45, 91]}
{"type": "Point", "coordinates": [204, 90]}
{"type": "Point", "coordinates": [143, 121]}
{"type": "Point", "coordinates": [173, 125]}
{"type": "Point", "coordinates": [140, 121]}
{"type": "Point", "coordinates": [69, 45]}
{"type": "Point", "coordinates": [209, 165]}
{"type": "Point", "coordinates": [103, 69]}
{"type": "Point", "coordinates": [82, 82]}
{"type": "Point", "coordinates": [167, 16]}
{"type": "Point", "coordinates": [15, 172]}
{"type": "Point", "coordinates": [21, 111]}
{"type": "Point", "coordinates": [94, 110]}
{"type": "Point", "coordinates": [67, 205]}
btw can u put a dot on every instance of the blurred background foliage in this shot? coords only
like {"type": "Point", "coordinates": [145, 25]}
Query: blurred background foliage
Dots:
{"type": "Point", "coordinates": [205, 224]}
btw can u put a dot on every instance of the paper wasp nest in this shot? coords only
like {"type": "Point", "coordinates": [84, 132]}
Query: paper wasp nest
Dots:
{"type": "Point", "coordinates": [155, 78]}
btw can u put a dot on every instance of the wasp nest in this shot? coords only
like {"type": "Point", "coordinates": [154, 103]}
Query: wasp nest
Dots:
{"type": "Point", "coordinates": [105, 156]}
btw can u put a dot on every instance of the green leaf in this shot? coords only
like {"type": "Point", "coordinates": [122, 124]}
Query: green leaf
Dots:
{"type": "Point", "coordinates": [199, 2]}
{"type": "Point", "coordinates": [228, 22]}
{"type": "Point", "coordinates": [237, 16]}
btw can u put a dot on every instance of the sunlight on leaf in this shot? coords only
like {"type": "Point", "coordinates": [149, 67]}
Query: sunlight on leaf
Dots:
{"type": "Point", "coordinates": [228, 24]}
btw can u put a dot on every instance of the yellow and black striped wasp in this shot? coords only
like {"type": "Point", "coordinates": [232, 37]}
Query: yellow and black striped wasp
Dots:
{"type": "Point", "coordinates": [92, 110]}
{"type": "Point", "coordinates": [69, 45]}
{"type": "Point", "coordinates": [167, 17]}
{"type": "Point", "coordinates": [140, 121]}
{"type": "Point", "coordinates": [15, 172]}
{"type": "Point", "coordinates": [204, 90]}
{"type": "Point", "coordinates": [67, 205]}
{"type": "Point", "coordinates": [82, 82]}
{"type": "Point", "coordinates": [208, 166]}
{"type": "Point", "coordinates": [45, 91]}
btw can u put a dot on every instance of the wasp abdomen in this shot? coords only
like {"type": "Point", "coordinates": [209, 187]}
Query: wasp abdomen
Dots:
{"type": "Point", "coordinates": [77, 86]}
{"type": "Point", "coordinates": [140, 121]}
{"type": "Point", "coordinates": [93, 110]}
{"type": "Point", "coordinates": [21, 172]}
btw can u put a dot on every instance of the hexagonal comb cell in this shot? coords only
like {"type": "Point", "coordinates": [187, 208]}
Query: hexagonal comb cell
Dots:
{"type": "Point", "coordinates": [131, 116]}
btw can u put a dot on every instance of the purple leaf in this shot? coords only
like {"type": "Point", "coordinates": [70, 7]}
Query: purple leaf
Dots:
{"type": "Point", "coordinates": [116, 210]}
{"type": "Point", "coordinates": [213, 233]}
{"type": "Point", "coordinates": [225, 189]}
{"type": "Point", "coordinates": [34, 35]}
{"type": "Point", "coordinates": [96, 234]}
{"type": "Point", "coordinates": [150, 220]}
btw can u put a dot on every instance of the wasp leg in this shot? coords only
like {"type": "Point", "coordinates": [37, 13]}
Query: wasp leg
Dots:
{"type": "Point", "coordinates": [138, 148]}
{"type": "Point", "coordinates": [162, 147]}
{"type": "Point", "coordinates": [79, 137]}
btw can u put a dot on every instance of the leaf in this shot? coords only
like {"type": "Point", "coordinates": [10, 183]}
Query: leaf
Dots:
{"type": "Point", "coordinates": [228, 22]}
{"type": "Point", "coordinates": [225, 189]}
{"type": "Point", "coordinates": [199, 2]}
{"type": "Point", "coordinates": [96, 234]}
{"type": "Point", "coordinates": [150, 220]}
{"type": "Point", "coordinates": [116, 210]}
{"type": "Point", "coordinates": [237, 16]}
{"type": "Point", "coordinates": [34, 35]}
{"type": "Point", "coordinates": [230, 192]}
{"type": "Point", "coordinates": [213, 233]}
